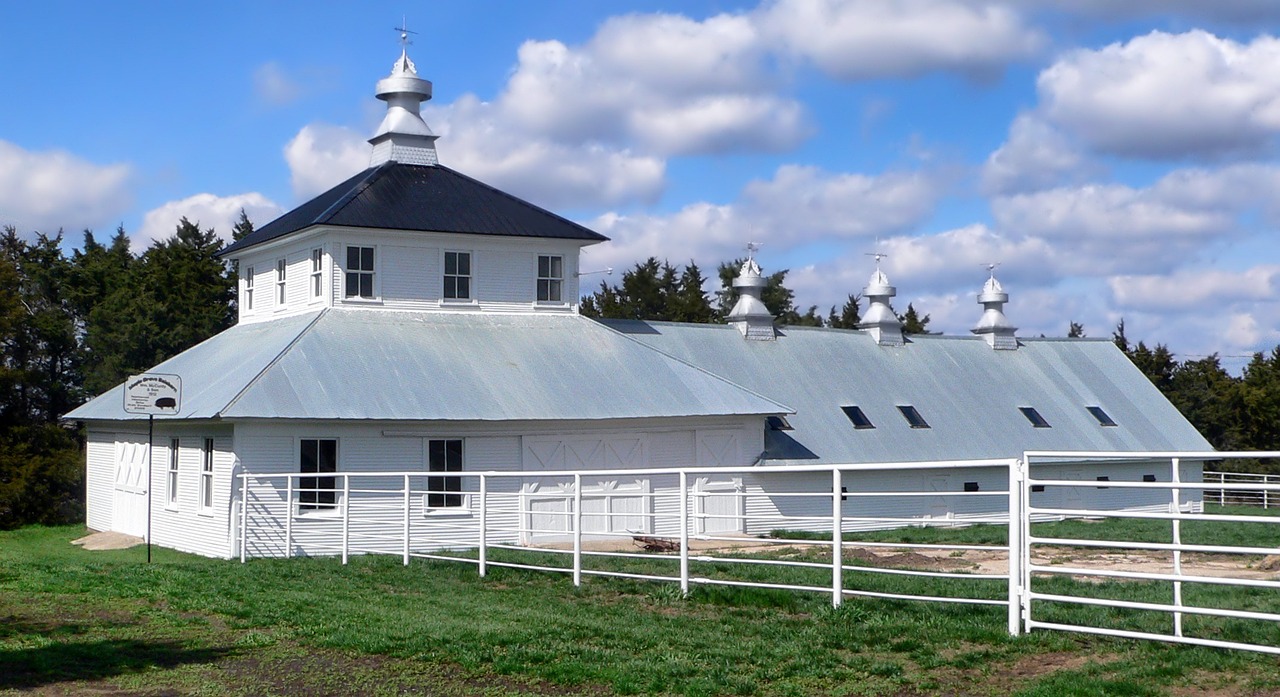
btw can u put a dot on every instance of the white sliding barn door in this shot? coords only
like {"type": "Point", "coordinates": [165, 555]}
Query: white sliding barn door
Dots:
{"type": "Point", "coordinates": [129, 494]}
{"type": "Point", "coordinates": [717, 505]}
{"type": "Point", "coordinates": [610, 503]}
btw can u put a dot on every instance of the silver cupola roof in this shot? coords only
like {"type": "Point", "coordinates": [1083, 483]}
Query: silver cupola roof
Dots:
{"type": "Point", "coordinates": [403, 136]}
{"type": "Point", "coordinates": [749, 313]}
{"type": "Point", "coordinates": [993, 325]}
{"type": "Point", "coordinates": [881, 321]}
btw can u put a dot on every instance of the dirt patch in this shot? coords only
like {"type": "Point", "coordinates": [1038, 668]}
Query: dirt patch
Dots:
{"type": "Point", "coordinates": [107, 540]}
{"type": "Point", "coordinates": [1046, 663]}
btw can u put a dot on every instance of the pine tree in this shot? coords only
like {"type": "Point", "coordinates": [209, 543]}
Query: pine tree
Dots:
{"type": "Point", "coordinates": [1075, 330]}
{"type": "Point", "coordinates": [242, 228]}
{"type": "Point", "coordinates": [912, 322]}
{"type": "Point", "coordinates": [849, 314]}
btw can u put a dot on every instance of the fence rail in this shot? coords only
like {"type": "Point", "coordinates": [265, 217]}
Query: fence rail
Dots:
{"type": "Point", "coordinates": [1235, 489]}
{"type": "Point", "coordinates": [796, 529]}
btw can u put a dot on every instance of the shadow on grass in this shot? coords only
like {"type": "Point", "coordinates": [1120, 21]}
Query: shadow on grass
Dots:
{"type": "Point", "coordinates": [94, 660]}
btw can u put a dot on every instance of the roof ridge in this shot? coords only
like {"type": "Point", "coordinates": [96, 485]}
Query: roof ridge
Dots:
{"type": "Point", "coordinates": [344, 200]}
{"type": "Point", "coordinates": [270, 364]}
{"type": "Point", "coordinates": [522, 202]}
{"type": "Point", "coordinates": [698, 368]}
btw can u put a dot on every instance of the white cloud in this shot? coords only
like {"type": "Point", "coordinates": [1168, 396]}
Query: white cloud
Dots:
{"type": "Point", "coordinates": [857, 40]}
{"type": "Point", "coordinates": [273, 86]}
{"type": "Point", "coordinates": [1035, 156]}
{"type": "Point", "coordinates": [1168, 95]}
{"type": "Point", "coordinates": [321, 156]}
{"type": "Point", "coordinates": [1203, 290]}
{"type": "Point", "coordinates": [208, 211]}
{"type": "Point", "coordinates": [55, 189]}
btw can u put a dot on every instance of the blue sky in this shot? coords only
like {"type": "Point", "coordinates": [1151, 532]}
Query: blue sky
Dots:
{"type": "Point", "coordinates": [1118, 159]}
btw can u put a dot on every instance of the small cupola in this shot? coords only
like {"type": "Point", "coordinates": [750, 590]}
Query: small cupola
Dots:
{"type": "Point", "coordinates": [881, 321]}
{"type": "Point", "coordinates": [403, 136]}
{"type": "Point", "coordinates": [994, 326]}
{"type": "Point", "coordinates": [749, 313]}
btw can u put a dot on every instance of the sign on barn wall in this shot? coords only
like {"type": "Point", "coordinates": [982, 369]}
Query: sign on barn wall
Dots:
{"type": "Point", "coordinates": [153, 393]}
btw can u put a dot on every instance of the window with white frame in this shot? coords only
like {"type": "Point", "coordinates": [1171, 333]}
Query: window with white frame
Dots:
{"type": "Point", "coordinates": [206, 475]}
{"type": "Point", "coordinates": [457, 275]}
{"type": "Point", "coordinates": [444, 455]}
{"type": "Point", "coordinates": [171, 488]}
{"type": "Point", "coordinates": [281, 269]}
{"type": "Point", "coordinates": [318, 455]}
{"type": "Point", "coordinates": [248, 288]}
{"type": "Point", "coordinates": [317, 275]}
{"type": "Point", "coordinates": [550, 277]}
{"type": "Point", "coordinates": [360, 272]}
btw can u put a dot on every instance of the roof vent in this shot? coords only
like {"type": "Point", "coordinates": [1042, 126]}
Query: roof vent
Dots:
{"type": "Point", "coordinates": [403, 136]}
{"type": "Point", "coordinates": [994, 326]}
{"type": "Point", "coordinates": [749, 313]}
{"type": "Point", "coordinates": [881, 321]}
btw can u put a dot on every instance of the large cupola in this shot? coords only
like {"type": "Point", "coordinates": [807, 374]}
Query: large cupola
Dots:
{"type": "Point", "coordinates": [993, 325]}
{"type": "Point", "coordinates": [749, 313]}
{"type": "Point", "coordinates": [881, 321]}
{"type": "Point", "coordinates": [403, 136]}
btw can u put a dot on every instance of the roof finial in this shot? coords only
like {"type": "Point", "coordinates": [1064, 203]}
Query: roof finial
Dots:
{"type": "Point", "coordinates": [998, 331]}
{"type": "Point", "coordinates": [403, 136]}
{"type": "Point", "coordinates": [880, 319]}
{"type": "Point", "coordinates": [991, 267]}
{"type": "Point", "coordinates": [752, 248]}
{"type": "Point", "coordinates": [404, 34]}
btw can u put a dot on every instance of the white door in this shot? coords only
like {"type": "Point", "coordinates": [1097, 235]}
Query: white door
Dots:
{"type": "Point", "coordinates": [609, 504]}
{"type": "Point", "coordinates": [718, 507]}
{"type": "Point", "coordinates": [129, 505]}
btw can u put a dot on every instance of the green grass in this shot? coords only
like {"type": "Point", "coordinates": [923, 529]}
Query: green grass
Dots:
{"type": "Point", "coordinates": [72, 621]}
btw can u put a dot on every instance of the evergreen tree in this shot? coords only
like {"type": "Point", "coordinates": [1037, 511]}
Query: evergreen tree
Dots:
{"type": "Point", "coordinates": [1210, 399]}
{"type": "Point", "coordinates": [849, 314]}
{"type": "Point", "coordinates": [912, 322]}
{"type": "Point", "coordinates": [690, 302]}
{"type": "Point", "coordinates": [1075, 331]}
{"type": "Point", "coordinates": [242, 228]}
{"type": "Point", "coordinates": [779, 299]}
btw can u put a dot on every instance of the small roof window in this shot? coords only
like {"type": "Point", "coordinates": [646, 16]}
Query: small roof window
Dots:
{"type": "Point", "coordinates": [857, 418]}
{"type": "Point", "coordinates": [912, 416]}
{"type": "Point", "coordinates": [1034, 417]}
{"type": "Point", "coordinates": [778, 423]}
{"type": "Point", "coordinates": [1101, 416]}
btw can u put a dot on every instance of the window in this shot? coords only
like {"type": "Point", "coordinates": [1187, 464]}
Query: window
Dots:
{"type": "Point", "coordinates": [970, 486]}
{"type": "Point", "coordinates": [913, 417]}
{"type": "Point", "coordinates": [171, 495]}
{"type": "Point", "coordinates": [1103, 479]}
{"type": "Point", "coordinates": [550, 277]}
{"type": "Point", "coordinates": [248, 288]}
{"type": "Point", "coordinates": [317, 278]}
{"type": "Point", "coordinates": [318, 455]}
{"type": "Point", "coordinates": [359, 272]}
{"type": "Point", "coordinates": [1034, 417]}
{"type": "Point", "coordinates": [1101, 416]}
{"type": "Point", "coordinates": [777, 423]}
{"type": "Point", "coordinates": [444, 456]}
{"type": "Point", "coordinates": [457, 275]}
{"type": "Point", "coordinates": [857, 418]}
{"type": "Point", "coordinates": [206, 475]}
{"type": "Point", "coordinates": [1037, 488]}
{"type": "Point", "coordinates": [1148, 477]}
{"type": "Point", "coordinates": [280, 274]}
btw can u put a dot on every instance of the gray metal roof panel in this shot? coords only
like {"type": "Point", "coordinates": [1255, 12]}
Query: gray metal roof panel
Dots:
{"type": "Point", "coordinates": [213, 372]}
{"type": "Point", "coordinates": [968, 393]}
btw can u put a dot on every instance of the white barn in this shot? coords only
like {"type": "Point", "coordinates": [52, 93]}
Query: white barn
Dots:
{"type": "Point", "coordinates": [412, 319]}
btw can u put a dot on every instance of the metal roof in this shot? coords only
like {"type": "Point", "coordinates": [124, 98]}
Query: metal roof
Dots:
{"type": "Point", "coordinates": [428, 198]}
{"type": "Point", "coordinates": [968, 393]}
{"type": "Point", "coordinates": [387, 365]}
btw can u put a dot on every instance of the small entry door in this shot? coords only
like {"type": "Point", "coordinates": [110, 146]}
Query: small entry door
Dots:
{"type": "Point", "coordinates": [129, 505]}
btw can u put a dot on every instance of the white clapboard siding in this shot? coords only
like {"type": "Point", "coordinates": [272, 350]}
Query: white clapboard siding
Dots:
{"type": "Point", "coordinates": [99, 479]}
{"type": "Point", "coordinates": [190, 527]}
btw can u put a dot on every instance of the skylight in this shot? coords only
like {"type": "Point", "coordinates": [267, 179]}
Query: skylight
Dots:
{"type": "Point", "coordinates": [912, 416]}
{"type": "Point", "coordinates": [1034, 417]}
{"type": "Point", "coordinates": [857, 418]}
{"type": "Point", "coordinates": [1101, 416]}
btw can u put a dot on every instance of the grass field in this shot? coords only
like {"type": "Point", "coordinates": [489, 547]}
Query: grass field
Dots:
{"type": "Point", "coordinates": [76, 622]}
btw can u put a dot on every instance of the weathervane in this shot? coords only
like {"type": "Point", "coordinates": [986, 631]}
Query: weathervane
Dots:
{"type": "Point", "coordinates": [752, 248]}
{"type": "Point", "coordinates": [404, 33]}
{"type": "Point", "coordinates": [991, 267]}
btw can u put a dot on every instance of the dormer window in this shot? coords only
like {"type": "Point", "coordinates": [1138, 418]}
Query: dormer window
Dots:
{"type": "Point", "coordinates": [457, 275]}
{"type": "Point", "coordinates": [550, 278]}
{"type": "Point", "coordinates": [281, 268]}
{"type": "Point", "coordinates": [360, 272]}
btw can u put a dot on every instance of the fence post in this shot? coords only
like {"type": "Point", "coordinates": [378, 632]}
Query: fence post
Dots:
{"type": "Point", "coordinates": [577, 530]}
{"type": "Point", "coordinates": [484, 525]}
{"type": "Point", "coordinates": [244, 512]}
{"type": "Point", "coordinates": [1177, 540]}
{"type": "Point", "coordinates": [1266, 493]}
{"type": "Point", "coordinates": [406, 520]}
{"type": "Point", "coordinates": [346, 515]}
{"type": "Point", "coordinates": [837, 539]}
{"type": "Point", "coordinates": [288, 517]}
{"type": "Point", "coordinates": [684, 534]}
{"type": "Point", "coordinates": [1017, 477]}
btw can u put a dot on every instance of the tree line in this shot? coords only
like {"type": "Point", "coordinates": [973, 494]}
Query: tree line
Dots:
{"type": "Point", "coordinates": [73, 326]}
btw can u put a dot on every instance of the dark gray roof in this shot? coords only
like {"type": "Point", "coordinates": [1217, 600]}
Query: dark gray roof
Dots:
{"type": "Point", "coordinates": [383, 365]}
{"type": "Point", "coordinates": [432, 198]}
{"type": "Point", "coordinates": [968, 393]}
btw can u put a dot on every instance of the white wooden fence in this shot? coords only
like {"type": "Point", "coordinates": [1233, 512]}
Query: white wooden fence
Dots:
{"type": "Point", "coordinates": [785, 528]}
{"type": "Point", "coordinates": [1227, 494]}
